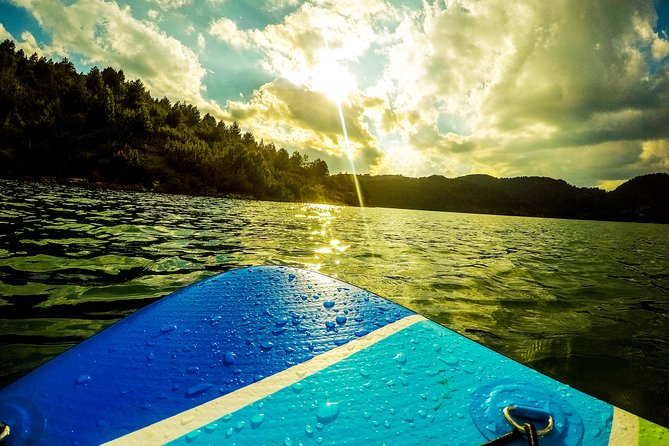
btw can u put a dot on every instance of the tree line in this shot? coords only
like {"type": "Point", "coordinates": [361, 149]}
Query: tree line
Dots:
{"type": "Point", "coordinates": [101, 127]}
{"type": "Point", "coordinates": [644, 198]}
{"type": "Point", "coordinates": [107, 130]}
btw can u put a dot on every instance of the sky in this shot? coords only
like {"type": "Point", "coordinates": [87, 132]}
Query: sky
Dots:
{"type": "Point", "coordinates": [569, 89]}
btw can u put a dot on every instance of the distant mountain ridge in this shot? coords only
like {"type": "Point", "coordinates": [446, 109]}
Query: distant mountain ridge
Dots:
{"type": "Point", "coordinates": [644, 198]}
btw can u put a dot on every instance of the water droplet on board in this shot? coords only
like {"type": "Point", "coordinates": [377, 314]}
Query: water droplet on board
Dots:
{"type": "Point", "coordinates": [291, 277]}
{"type": "Point", "coordinates": [309, 430]}
{"type": "Point", "coordinates": [191, 436]}
{"type": "Point", "coordinates": [211, 427]}
{"type": "Point", "coordinates": [192, 369]}
{"type": "Point", "coordinates": [266, 345]}
{"type": "Point", "coordinates": [341, 320]}
{"type": "Point", "coordinates": [257, 419]}
{"type": "Point", "coordinates": [168, 328]}
{"type": "Point", "coordinates": [400, 358]}
{"type": "Point", "coordinates": [287, 441]}
{"type": "Point", "coordinates": [229, 358]}
{"type": "Point", "coordinates": [186, 420]}
{"type": "Point", "coordinates": [198, 389]}
{"type": "Point", "coordinates": [328, 304]}
{"type": "Point", "coordinates": [215, 320]}
{"type": "Point", "coordinates": [281, 321]}
{"type": "Point", "coordinates": [277, 331]}
{"type": "Point", "coordinates": [329, 325]}
{"type": "Point", "coordinates": [83, 379]}
{"type": "Point", "coordinates": [449, 359]}
{"type": "Point", "coordinates": [239, 426]}
{"type": "Point", "coordinates": [327, 412]}
{"type": "Point", "coordinates": [297, 387]}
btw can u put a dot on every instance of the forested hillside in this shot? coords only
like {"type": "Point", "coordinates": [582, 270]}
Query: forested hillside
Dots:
{"type": "Point", "coordinates": [644, 198]}
{"type": "Point", "coordinates": [101, 127]}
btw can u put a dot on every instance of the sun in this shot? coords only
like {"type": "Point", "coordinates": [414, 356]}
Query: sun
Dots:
{"type": "Point", "coordinates": [332, 78]}
{"type": "Point", "coordinates": [325, 73]}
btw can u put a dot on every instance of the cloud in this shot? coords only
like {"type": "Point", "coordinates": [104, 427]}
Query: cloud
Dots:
{"type": "Point", "coordinates": [105, 34]}
{"type": "Point", "coordinates": [340, 30]}
{"type": "Point", "coordinates": [27, 43]}
{"type": "Point", "coordinates": [533, 82]}
{"type": "Point", "coordinates": [313, 52]}
{"type": "Point", "coordinates": [298, 118]}
{"type": "Point", "coordinates": [4, 34]}
{"type": "Point", "coordinates": [275, 5]}
{"type": "Point", "coordinates": [201, 43]}
{"type": "Point", "coordinates": [226, 30]}
{"type": "Point", "coordinates": [171, 4]}
{"type": "Point", "coordinates": [659, 48]}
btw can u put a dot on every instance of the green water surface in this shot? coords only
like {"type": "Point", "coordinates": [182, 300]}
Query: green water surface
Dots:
{"type": "Point", "coordinates": [585, 302]}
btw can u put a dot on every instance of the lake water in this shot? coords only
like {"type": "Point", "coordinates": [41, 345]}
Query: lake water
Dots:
{"type": "Point", "coordinates": [586, 302]}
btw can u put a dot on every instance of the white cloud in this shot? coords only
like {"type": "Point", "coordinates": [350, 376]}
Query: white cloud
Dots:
{"type": "Point", "coordinates": [226, 30]}
{"type": "Point", "coordinates": [107, 35]}
{"type": "Point", "coordinates": [294, 46]}
{"type": "Point", "coordinates": [201, 43]}
{"type": "Point", "coordinates": [27, 43]}
{"type": "Point", "coordinates": [4, 34]}
{"type": "Point", "coordinates": [659, 48]}
{"type": "Point", "coordinates": [530, 77]}
{"type": "Point", "coordinates": [656, 153]}
{"type": "Point", "coordinates": [274, 5]}
{"type": "Point", "coordinates": [171, 4]}
{"type": "Point", "coordinates": [313, 52]}
{"type": "Point", "coordinates": [297, 118]}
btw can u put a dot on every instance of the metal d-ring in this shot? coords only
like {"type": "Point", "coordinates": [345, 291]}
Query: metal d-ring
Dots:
{"type": "Point", "coordinates": [4, 430]}
{"type": "Point", "coordinates": [507, 414]}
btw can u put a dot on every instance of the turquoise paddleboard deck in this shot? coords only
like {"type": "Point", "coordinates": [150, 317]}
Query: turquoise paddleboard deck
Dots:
{"type": "Point", "coordinates": [276, 355]}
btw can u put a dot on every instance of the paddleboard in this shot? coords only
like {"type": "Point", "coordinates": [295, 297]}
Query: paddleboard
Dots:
{"type": "Point", "coordinates": [281, 356]}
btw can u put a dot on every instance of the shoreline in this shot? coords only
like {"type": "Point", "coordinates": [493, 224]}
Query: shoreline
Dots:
{"type": "Point", "coordinates": [156, 189]}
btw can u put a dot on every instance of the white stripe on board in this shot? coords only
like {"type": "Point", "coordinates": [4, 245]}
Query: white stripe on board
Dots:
{"type": "Point", "coordinates": [181, 424]}
{"type": "Point", "coordinates": [624, 429]}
